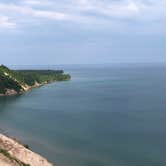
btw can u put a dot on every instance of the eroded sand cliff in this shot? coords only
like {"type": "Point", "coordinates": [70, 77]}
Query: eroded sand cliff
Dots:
{"type": "Point", "coordinates": [13, 153]}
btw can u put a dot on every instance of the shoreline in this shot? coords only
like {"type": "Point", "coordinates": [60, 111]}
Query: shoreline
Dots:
{"type": "Point", "coordinates": [13, 153]}
{"type": "Point", "coordinates": [15, 82]}
{"type": "Point", "coordinates": [12, 92]}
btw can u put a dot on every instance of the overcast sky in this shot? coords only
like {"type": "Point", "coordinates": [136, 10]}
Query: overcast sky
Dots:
{"type": "Point", "coordinates": [82, 31]}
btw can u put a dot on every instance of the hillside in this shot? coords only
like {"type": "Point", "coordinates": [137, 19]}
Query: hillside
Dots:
{"type": "Point", "coordinates": [18, 81]}
{"type": "Point", "coordinates": [13, 153]}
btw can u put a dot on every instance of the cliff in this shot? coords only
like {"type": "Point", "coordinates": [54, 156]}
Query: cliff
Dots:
{"type": "Point", "coordinates": [13, 153]}
{"type": "Point", "coordinates": [18, 81]}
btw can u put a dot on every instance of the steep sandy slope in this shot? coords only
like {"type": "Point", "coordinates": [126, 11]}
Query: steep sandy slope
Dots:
{"type": "Point", "coordinates": [17, 152]}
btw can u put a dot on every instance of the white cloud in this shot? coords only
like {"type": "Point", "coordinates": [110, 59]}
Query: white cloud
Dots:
{"type": "Point", "coordinates": [121, 9]}
{"type": "Point", "coordinates": [6, 23]}
{"type": "Point", "coordinates": [36, 2]}
{"type": "Point", "coordinates": [85, 11]}
{"type": "Point", "coordinates": [32, 2]}
{"type": "Point", "coordinates": [23, 11]}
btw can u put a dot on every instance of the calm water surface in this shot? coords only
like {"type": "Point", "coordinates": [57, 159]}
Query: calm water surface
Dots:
{"type": "Point", "coordinates": [104, 116]}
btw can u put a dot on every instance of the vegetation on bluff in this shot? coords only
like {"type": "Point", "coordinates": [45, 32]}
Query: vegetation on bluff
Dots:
{"type": "Point", "coordinates": [12, 159]}
{"type": "Point", "coordinates": [17, 80]}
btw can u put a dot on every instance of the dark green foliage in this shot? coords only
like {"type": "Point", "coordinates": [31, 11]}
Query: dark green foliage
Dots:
{"type": "Point", "coordinates": [26, 146]}
{"type": "Point", "coordinates": [8, 83]}
{"type": "Point", "coordinates": [29, 77]}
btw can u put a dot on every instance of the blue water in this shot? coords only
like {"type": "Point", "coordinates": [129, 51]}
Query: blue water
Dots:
{"type": "Point", "coordinates": [112, 115]}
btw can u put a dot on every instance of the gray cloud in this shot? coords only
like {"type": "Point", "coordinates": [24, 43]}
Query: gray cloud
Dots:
{"type": "Point", "coordinates": [89, 12]}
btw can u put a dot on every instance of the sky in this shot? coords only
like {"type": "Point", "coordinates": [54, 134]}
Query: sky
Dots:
{"type": "Point", "coordinates": [50, 32]}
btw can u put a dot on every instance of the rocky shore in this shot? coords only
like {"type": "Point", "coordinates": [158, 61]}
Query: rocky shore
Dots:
{"type": "Point", "coordinates": [12, 153]}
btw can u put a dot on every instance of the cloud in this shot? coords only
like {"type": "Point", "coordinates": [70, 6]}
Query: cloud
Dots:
{"type": "Point", "coordinates": [23, 13]}
{"type": "Point", "coordinates": [88, 12]}
{"type": "Point", "coordinates": [32, 2]}
{"type": "Point", "coordinates": [124, 9]}
{"type": "Point", "coordinates": [17, 10]}
{"type": "Point", "coordinates": [6, 23]}
{"type": "Point", "coordinates": [121, 9]}
{"type": "Point", "coordinates": [36, 2]}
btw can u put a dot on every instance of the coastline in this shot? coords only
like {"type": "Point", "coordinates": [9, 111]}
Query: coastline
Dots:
{"type": "Point", "coordinates": [15, 82]}
{"type": "Point", "coordinates": [12, 92]}
{"type": "Point", "coordinates": [12, 83]}
{"type": "Point", "coordinates": [13, 153]}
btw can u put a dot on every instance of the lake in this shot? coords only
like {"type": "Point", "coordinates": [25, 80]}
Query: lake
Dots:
{"type": "Point", "coordinates": [107, 115]}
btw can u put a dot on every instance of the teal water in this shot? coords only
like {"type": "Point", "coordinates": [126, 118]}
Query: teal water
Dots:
{"type": "Point", "coordinates": [105, 116]}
